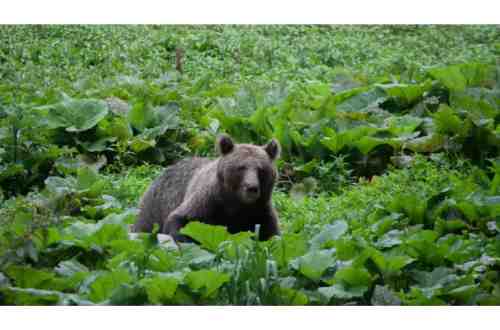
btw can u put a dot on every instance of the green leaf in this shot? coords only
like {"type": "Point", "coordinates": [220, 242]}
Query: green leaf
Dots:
{"type": "Point", "coordinates": [458, 77]}
{"type": "Point", "coordinates": [160, 289]}
{"type": "Point", "coordinates": [438, 278]}
{"type": "Point", "coordinates": [422, 297]}
{"type": "Point", "coordinates": [75, 115]}
{"type": "Point", "coordinates": [27, 277]}
{"type": "Point", "coordinates": [4, 281]}
{"type": "Point", "coordinates": [400, 125]}
{"type": "Point", "coordinates": [313, 264]}
{"type": "Point", "coordinates": [206, 281]}
{"type": "Point", "coordinates": [289, 296]}
{"type": "Point", "coordinates": [383, 296]}
{"type": "Point", "coordinates": [457, 249]}
{"type": "Point", "coordinates": [464, 294]}
{"type": "Point", "coordinates": [390, 239]}
{"type": "Point", "coordinates": [68, 268]}
{"type": "Point", "coordinates": [207, 235]}
{"type": "Point", "coordinates": [339, 291]}
{"type": "Point", "coordinates": [287, 247]}
{"type": "Point", "coordinates": [390, 265]}
{"type": "Point", "coordinates": [140, 116]}
{"type": "Point", "coordinates": [329, 233]}
{"type": "Point", "coordinates": [144, 117]}
{"type": "Point", "coordinates": [447, 122]}
{"type": "Point", "coordinates": [107, 233]}
{"type": "Point", "coordinates": [89, 180]}
{"type": "Point", "coordinates": [117, 127]}
{"type": "Point", "coordinates": [362, 101]}
{"type": "Point", "coordinates": [161, 261]}
{"type": "Point", "coordinates": [421, 245]}
{"type": "Point", "coordinates": [450, 76]}
{"type": "Point", "coordinates": [167, 116]}
{"type": "Point", "coordinates": [479, 103]}
{"type": "Point", "coordinates": [128, 294]}
{"type": "Point", "coordinates": [102, 234]}
{"type": "Point", "coordinates": [412, 205]}
{"type": "Point", "coordinates": [104, 284]}
{"type": "Point", "coordinates": [335, 141]}
{"type": "Point", "coordinates": [30, 297]}
{"type": "Point", "coordinates": [404, 94]}
{"type": "Point", "coordinates": [59, 186]}
{"type": "Point", "coordinates": [194, 256]}
{"type": "Point", "coordinates": [344, 81]}
{"type": "Point", "coordinates": [428, 143]}
{"type": "Point", "coordinates": [353, 276]}
{"type": "Point", "coordinates": [138, 144]}
{"type": "Point", "coordinates": [368, 143]}
{"type": "Point", "coordinates": [346, 249]}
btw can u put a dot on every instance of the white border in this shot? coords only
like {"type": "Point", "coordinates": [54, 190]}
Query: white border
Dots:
{"type": "Point", "coordinates": [250, 12]}
{"type": "Point", "coordinates": [251, 318]}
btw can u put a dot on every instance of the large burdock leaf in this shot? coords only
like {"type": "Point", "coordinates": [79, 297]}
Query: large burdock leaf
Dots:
{"type": "Point", "coordinates": [368, 143]}
{"type": "Point", "coordinates": [113, 227]}
{"type": "Point", "coordinates": [288, 246]}
{"type": "Point", "coordinates": [335, 141]}
{"type": "Point", "coordinates": [451, 77]}
{"type": "Point", "coordinates": [384, 296]}
{"type": "Point", "coordinates": [160, 289]}
{"type": "Point", "coordinates": [353, 276]}
{"type": "Point", "coordinates": [140, 116]}
{"type": "Point", "coordinates": [144, 116]}
{"type": "Point", "coordinates": [28, 277]}
{"type": "Point", "coordinates": [458, 77]}
{"type": "Point", "coordinates": [139, 144]}
{"type": "Point", "coordinates": [478, 103]}
{"type": "Point", "coordinates": [75, 115]}
{"type": "Point", "coordinates": [448, 122]}
{"type": "Point", "coordinates": [406, 94]}
{"type": "Point", "coordinates": [289, 296]}
{"type": "Point", "coordinates": [329, 233]}
{"type": "Point", "coordinates": [339, 291]}
{"type": "Point", "coordinates": [128, 294]}
{"type": "Point", "coordinates": [116, 127]}
{"type": "Point", "coordinates": [4, 281]}
{"type": "Point", "coordinates": [104, 284]}
{"type": "Point", "coordinates": [30, 297]}
{"type": "Point", "coordinates": [363, 101]}
{"type": "Point", "coordinates": [428, 143]}
{"type": "Point", "coordinates": [208, 236]}
{"type": "Point", "coordinates": [206, 281]}
{"type": "Point", "coordinates": [152, 123]}
{"type": "Point", "coordinates": [435, 282]}
{"type": "Point", "coordinates": [402, 125]}
{"type": "Point", "coordinates": [69, 268]}
{"type": "Point", "coordinates": [314, 264]}
{"type": "Point", "coordinates": [390, 265]}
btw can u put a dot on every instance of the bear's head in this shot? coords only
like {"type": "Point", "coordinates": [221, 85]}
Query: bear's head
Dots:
{"type": "Point", "coordinates": [247, 171]}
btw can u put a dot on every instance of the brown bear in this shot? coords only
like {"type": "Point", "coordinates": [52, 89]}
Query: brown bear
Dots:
{"type": "Point", "coordinates": [233, 190]}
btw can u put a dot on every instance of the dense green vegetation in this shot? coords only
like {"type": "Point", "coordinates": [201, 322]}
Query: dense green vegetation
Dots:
{"type": "Point", "coordinates": [389, 191]}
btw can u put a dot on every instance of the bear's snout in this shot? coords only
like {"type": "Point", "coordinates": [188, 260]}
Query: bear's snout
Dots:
{"type": "Point", "coordinates": [250, 193]}
{"type": "Point", "coordinates": [250, 187]}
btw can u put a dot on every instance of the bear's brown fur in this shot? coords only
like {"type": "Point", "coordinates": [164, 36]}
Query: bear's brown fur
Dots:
{"type": "Point", "coordinates": [233, 190]}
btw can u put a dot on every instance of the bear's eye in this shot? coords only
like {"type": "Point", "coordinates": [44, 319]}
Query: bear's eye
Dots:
{"type": "Point", "coordinates": [260, 171]}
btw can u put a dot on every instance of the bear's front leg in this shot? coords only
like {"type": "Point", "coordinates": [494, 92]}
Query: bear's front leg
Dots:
{"type": "Point", "coordinates": [193, 208]}
{"type": "Point", "coordinates": [269, 226]}
{"type": "Point", "coordinates": [173, 224]}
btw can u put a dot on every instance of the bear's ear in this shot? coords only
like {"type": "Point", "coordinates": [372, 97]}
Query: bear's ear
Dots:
{"type": "Point", "coordinates": [224, 144]}
{"type": "Point", "coordinates": [273, 149]}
